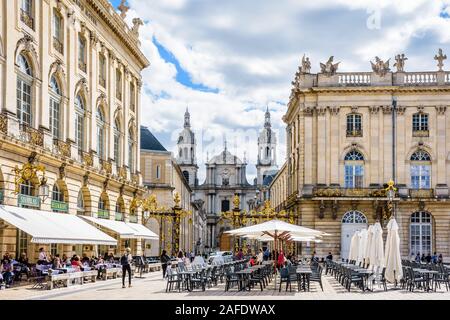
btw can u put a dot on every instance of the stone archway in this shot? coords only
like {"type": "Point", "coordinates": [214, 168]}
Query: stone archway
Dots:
{"type": "Point", "coordinates": [352, 221]}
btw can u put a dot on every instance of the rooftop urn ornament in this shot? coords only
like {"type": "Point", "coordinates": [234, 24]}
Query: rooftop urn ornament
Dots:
{"type": "Point", "coordinates": [329, 68]}
{"type": "Point", "coordinates": [306, 65]}
{"type": "Point", "coordinates": [440, 57]}
{"type": "Point", "coordinates": [123, 8]}
{"type": "Point", "coordinates": [380, 67]}
{"type": "Point", "coordinates": [400, 62]}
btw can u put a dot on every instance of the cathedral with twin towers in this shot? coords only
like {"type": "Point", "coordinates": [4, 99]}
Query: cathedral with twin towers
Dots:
{"type": "Point", "coordinates": [225, 178]}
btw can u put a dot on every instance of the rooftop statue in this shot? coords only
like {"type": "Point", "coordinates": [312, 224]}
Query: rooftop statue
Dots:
{"type": "Point", "coordinates": [329, 68]}
{"type": "Point", "coordinates": [379, 67]}
{"type": "Point", "coordinates": [440, 57]}
{"type": "Point", "coordinates": [306, 65]}
{"type": "Point", "coordinates": [400, 62]}
{"type": "Point", "coordinates": [123, 8]}
{"type": "Point", "coordinates": [137, 22]}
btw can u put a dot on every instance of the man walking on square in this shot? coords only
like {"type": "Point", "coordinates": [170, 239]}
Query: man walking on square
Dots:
{"type": "Point", "coordinates": [125, 261]}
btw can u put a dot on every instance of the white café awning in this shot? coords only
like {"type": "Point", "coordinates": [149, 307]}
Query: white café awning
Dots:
{"type": "Point", "coordinates": [125, 230]}
{"type": "Point", "coordinates": [52, 227]}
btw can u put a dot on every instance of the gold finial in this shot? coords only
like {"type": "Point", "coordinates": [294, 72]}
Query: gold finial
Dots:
{"type": "Point", "coordinates": [177, 199]}
{"type": "Point", "coordinates": [236, 201]}
{"type": "Point", "coordinates": [390, 186]}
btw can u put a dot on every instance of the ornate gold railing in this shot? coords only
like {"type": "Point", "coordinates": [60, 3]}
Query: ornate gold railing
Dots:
{"type": "Point", "coordinates": [421, 193]}
{"type": "Point", "coordinates": [31, 135]}
{"type": "Point", "coordinates": [357, 192]}
{"type": "Point", "coordinates": [27, 19]}
{"type": "Point", "coordinates": [354, 133]}
{"type": "Point", "coordinates": [107, 166]}
{"type": "Point", "coordinates": [63, 148]}
{"type": "Point", "coordinates": [421, 133]}
{"type": "Point", "coordinates": [57, 44]}
{"type": "Point", "coordinates": [3, 124]}
{"type": "Point", "coordinates": [87, 158]}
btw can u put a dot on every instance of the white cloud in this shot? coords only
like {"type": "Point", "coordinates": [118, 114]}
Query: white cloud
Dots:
{"type": "Point", "coordinates": [250, 50]}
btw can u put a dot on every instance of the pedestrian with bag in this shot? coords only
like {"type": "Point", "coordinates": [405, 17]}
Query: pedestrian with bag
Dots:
{"type": "Point", "coordinates": [125, 260]}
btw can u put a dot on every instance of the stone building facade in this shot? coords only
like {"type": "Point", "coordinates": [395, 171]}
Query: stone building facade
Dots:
{"type": "Point", "coordinates": [348, 134]}
{"type": "Point", "coordinates": [163, 177]}
{"type": "Point", "coordinates": [70, 81]}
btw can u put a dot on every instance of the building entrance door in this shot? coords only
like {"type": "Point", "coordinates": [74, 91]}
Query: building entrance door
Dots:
{"type": "Point", "coordinates": [351, 222]}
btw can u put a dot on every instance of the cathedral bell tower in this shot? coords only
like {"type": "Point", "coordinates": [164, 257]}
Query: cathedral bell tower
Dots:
{"type": "Point", "coordinates": [186, 157]}
{"type": "Point", "coordinates": [267, 148]}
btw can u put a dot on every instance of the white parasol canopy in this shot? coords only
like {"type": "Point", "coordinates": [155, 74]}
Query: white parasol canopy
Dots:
{"type": "Point", "coordinates": [269, 238]}
{"type": "Point", "coordinates": [376, 250]}
{"type": "Point", "coordinates": [393, 259]}
{"type": "Point", "coordinates": [276, 228]}
{"type": "Point", "coordinates": [368, 246]}
{"type": "Point", "coordinates": [362, 245]}
{"type": "Point", "coordinates": [354, 245]}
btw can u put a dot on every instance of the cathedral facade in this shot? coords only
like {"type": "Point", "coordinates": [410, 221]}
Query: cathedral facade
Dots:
{"type": "Point", "coordinates": [226, 176]}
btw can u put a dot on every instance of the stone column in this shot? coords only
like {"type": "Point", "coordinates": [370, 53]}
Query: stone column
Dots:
{"type": "Point", "coordinates": [322, 131]}
{"type": "Point", "coordinates": [334, 145]}
{"type": "Point", "coordinates": [440, 142]}
{"type": "Point", "coordinates": [308, 145]}
{"type": "Point", "coordinates": [400, 146]}
{"type": "Point", "coordinates": [386, 151]}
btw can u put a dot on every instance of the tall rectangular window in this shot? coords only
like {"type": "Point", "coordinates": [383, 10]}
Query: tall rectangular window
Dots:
{"type": "Point", "coordinates": [421, 176]}
{"type": "Point", "coordinates": [132, 97]}
{"type": "Point", "coordinates": [102, 71]}
{"type": "Point", "coordinates": [57, 33]}
{"type": "Point", "coordinates": [26, 13]}
{"type": "Point", "coordinates": [354, 176]}
{"type": "Point", "coordinates": [79, 119]}
{"type": "Point", "coordinates": [81, 53]}
{"type": "Point", "coordinates": [354, 125]}
{"type": "Point", "coordinates": [119, 84]}
{"type": "Point", "coordinates": [54, 118]}
{"type": "Point", "coordinates": [24, 102]}
{"type": "Point", "coordinates": [100, 142]}
{"type": "Point", "coordinates": [420, 124]}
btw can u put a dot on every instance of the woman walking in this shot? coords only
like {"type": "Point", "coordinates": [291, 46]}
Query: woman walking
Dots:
{"type": "Point", "coordinates": [125, 261]}
{"type": "Point", "coordinates": [165, 260]}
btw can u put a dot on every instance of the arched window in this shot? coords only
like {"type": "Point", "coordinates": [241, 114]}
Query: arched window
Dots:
{"type": "Point", "coordinates": [354, 217]}
{"type": "Point", "coordinates": [267, 153]}
{"type": "Point", "coordinates": [55, 108]}
{"type": "Point", "coordinates": [132, 97]}
{"type": "Point", "coordinates": [101, 133]}
{"type": "Point", "coordinates": [181, 153]}
{"type": "Point", "coordinates": [24, 95]}
{"type": "Point", "coordinates": [421, 233]}
{"type": "Point", "coordinates": [57, 195]}
{"type": "Point", "coordinates": [420, 170]}
{"type": "Point", "coordinates": [186, 153]}
{"type": "Point", "coordinates": [82, 53]}
{"type": "Point", "coordinates": [131, 147]}
{"type": "Point", "coordinates": [354, 169]}
{"type": "Point", "coordinates": [420, 124]}
{"type": "Point", "coordinates": [79, 122]}
{"type": "Point", "coordinates": [80, 203]}
{"type": "Point", "coordinates": [117, 144]}
{"type": "Point", "coordinates": [186, 175]}
{"type": "Point", "coordinates": [103, 211]}
{"type": "Point", "coordinates": [58, 32]}
{"type": "Point", "coordinates": [354, 125]}
{"type": "Point", "coordinates": [118, 84]}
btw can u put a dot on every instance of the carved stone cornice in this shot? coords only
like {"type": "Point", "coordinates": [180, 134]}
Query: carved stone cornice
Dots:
{"type": "Point", "coordinates": [387, 109]}
{"type": "Point", "coordinates": [308, 111]}
{"type": "Point", "coordinates": [441, 110]}
{"type": "Point", "coordinates": [321, 111]}
{"type": "Point", "coordinates": [374, 109]}
{"type": "Point", "coordinates": [334, 110]}
{"type": "Point", "coordinates": [94, 38]}
{"type": "Point", "coordinates": [401, 110]}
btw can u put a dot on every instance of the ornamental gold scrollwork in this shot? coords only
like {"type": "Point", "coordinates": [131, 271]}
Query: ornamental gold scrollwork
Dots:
{"type": "Point", "coordinates": [28, 172]}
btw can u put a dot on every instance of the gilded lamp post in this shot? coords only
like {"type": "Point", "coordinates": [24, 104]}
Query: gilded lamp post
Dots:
{"type": "Point", "coordinates": [390, 192]}
{"type": "Point", "coordinates": [172, 215]}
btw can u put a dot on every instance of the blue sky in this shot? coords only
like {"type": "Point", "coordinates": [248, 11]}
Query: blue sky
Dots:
{"type": "Point", "coordinates": [229, 60]}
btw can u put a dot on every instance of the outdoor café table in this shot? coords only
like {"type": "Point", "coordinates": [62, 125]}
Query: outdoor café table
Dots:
{"type": "Point", "coordinates": [186, 278]}
{"type": "Point", "coordinates": [365, 273]}
{"type": "Point", "coordinates": [243, 278]}
{"type": "Point", "coordinates": [428, 274]}
{"type": "Point", "coordinates": [303, 274]}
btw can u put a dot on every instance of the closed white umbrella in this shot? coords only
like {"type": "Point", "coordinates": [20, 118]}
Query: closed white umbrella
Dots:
{"type": "Point", "coordinates": [368, 245]}
{"type": "Point", "coordinates": [393, 259]}
{"type": "Point", "coordinates": [362, 245]}
{"type": "Point", "coordinates": [376, 250]}
{"type": "Point", "coordinates": [353, 253]}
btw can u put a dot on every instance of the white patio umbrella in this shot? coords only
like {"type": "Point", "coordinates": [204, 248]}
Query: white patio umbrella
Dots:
{"type": "Point", "coordinates": [269, 238]}
{"type": "Point", "coordinates": [368, 245]}
{"type": "Point", "coordinates": [354, 245]}
{"type": "Point", "coordinates": [393, 259]}
{"type": "Point", "coordinates": [376, 250]}
{"type": "Point", "coordinates": [362, 245]}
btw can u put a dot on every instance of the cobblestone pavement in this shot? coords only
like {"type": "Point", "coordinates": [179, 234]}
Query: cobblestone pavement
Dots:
{"type": "Point", "coordinates": [152, 286]}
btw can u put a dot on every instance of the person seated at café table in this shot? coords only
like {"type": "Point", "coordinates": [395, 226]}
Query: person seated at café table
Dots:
{"type": "Point", "coordinates": [428, 258]}
{"type": "Point", "coordinates": [76, 263]}
{"type": "Point", "coordinates": [100, 266]}
{"type": "Point", "coordinates": [180, 256]}
{"type": "Point", "coordinates": [43, 257]}
{"type": "Point", "coordinates": [417, 257]}
{"type": "Point", "coordinates": [434, 258]}
{"type": "Point", "coordinates": [252, 261]}
{"type": "Point", "coordinates": [422, 259]}
{"type": "Point", "coordinates": [329, 257]}
{"type": "Point", "coordinates": [440, 259]}
{"type": "Point", "coordinates": [6, 270]}
{"type": "Point", "coordinates": [24, 266]}
{"type": "Point", "coordinates": [111, 258]}
{"type": "Point", "coordinates": [85, 259]}
{"type": "Point", "coordinates": [57, 262]}
{"type": "Point", "coordinates": [260, 257]}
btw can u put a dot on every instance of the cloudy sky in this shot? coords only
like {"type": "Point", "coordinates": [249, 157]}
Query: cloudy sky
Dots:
{"type": "Point", "coordinates": [229, 60]}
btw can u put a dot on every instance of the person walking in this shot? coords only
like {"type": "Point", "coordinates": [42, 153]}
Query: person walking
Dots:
{"type": "Point", "coordinates": [125, 261]}
{"type": "Point", "coordinates": [165, 260]}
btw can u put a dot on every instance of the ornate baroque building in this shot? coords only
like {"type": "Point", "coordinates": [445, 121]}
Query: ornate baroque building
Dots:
{"type": "Point", "coordinates": [225, 177]}
{"type": "Point", "coordinates": [349, 134]}
{"type": "Point", "coordinates": [70, 81]}
{"type": "Point", "coordinates": [163, 177]}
